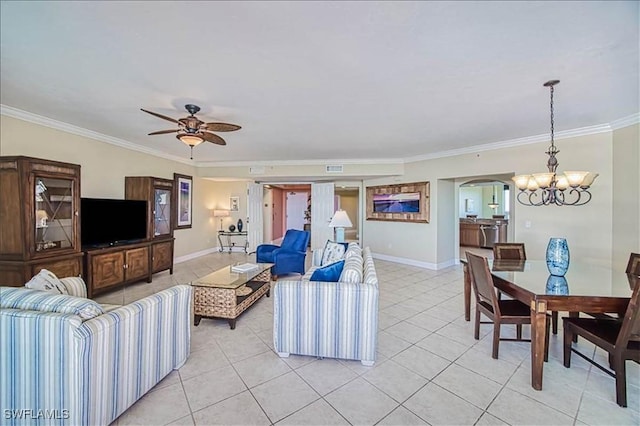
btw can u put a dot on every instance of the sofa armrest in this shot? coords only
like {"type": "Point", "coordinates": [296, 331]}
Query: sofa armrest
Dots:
{"type": "Point", "coordinates": [334, 320]}
{"type": "Point", "coordinates": [75, 286]}
{"type": "Point", "coordinates": [39, 356]}
{"type": "Point", "coordinates": [130, 349]}
{"type": "Point", "coordinates": [316, 259]}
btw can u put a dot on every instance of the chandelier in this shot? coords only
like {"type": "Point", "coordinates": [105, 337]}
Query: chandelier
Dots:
{"type": "Point", "coordinates": [564, 189]}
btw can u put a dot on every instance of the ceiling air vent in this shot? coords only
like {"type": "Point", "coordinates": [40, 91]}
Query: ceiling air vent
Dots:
{"type": "Point", "coordinates": [334, 168]}
{"type": "Point", "coordinates": [256, 170]}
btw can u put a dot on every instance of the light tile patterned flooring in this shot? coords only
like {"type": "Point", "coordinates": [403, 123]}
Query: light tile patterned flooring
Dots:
{"type": "Point", "coordinates": [429, 370]}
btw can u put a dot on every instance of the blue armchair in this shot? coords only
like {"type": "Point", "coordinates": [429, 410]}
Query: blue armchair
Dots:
{"type": "Point", "coordinates": [288, 257]}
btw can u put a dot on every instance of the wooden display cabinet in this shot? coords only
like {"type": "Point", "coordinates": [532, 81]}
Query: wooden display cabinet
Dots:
{"type": "Point", "coordinates": [158, 193]}
{"type": "Point", "coordinates": [39, 216]}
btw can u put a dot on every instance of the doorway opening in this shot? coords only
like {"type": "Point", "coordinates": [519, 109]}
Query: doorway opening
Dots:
{"type": "Point", "coordinates": [484, 215]}
{"type": "Point", "coordinates": [286, 206]}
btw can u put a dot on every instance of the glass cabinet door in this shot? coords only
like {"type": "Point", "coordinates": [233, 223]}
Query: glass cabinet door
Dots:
{"type": "Point", "coordinates": [54, 213]}
{"type": "Point", "coordinates": [162, 212]}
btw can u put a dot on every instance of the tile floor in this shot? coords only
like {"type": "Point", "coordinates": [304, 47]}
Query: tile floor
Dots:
{"type": "Point", "coordinates": [429, 370]}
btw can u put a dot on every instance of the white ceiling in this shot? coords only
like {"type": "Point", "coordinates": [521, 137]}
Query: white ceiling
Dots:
{"type": "Point", "coordinates": [322, 80]}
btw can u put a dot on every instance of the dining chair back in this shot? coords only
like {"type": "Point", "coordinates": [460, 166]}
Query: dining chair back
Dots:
{"type": "Point", "coordinates": [633, 267]}
{"type": "Point", "coordinates": [482, 282]}
{"type": "Point", "coordinates": [621, 339]}
{"type": "Point", "coordinates": [500, 312]}
{"type": "Point", "coordinates": [511, 251]}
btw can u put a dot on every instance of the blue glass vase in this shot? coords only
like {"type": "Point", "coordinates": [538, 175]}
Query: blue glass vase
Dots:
{"type": "Point", "coordinates": [558, 256]}
{"type": "Point", "coordinates": [557, 285]}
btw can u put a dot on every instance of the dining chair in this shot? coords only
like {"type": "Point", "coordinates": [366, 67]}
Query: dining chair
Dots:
{"type": "Point", "coordinates": [633, 267]}
{"type": "Point", "coordinates": [516, 251]}
{"type": "Point", "coordinates": [621, 339]}
{"type": "Point", "coordinates": [506, 311]}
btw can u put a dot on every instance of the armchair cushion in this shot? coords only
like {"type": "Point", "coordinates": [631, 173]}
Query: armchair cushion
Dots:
{"type": "Point", "coordinates": [295, 240]}
{"type": "Point", "coordinates": [328, 273]}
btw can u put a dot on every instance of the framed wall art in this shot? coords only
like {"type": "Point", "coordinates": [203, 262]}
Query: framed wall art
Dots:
{"type": "Point", "coordinates": [183, 187]}
{"type": "Point", "coordinates": [234, 204]}
{"type": "Point", "coordinates": [406, 202]}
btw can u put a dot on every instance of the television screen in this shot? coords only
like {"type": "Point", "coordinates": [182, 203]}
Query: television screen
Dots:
{"type": "Point", "coordinates": [404, 202]}
{"type": "Point", "coordinates": [107, 222]}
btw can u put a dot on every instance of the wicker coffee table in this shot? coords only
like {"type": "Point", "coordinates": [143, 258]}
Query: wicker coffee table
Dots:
{"type": "Point", "coordinates": [227, 294]}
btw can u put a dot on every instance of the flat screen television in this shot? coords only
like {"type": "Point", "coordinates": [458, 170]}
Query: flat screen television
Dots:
{"type": "Point", "coordinates": [108, 222]}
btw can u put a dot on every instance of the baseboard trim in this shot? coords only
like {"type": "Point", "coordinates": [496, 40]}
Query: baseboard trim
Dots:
{"type": "Point", "coordinates": [412, 262]}
{"type": "Point", "coordinates": [195, 255]}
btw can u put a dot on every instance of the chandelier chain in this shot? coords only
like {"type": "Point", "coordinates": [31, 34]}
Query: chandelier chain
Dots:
{"type": "Point", "coordinates": [552, 121]}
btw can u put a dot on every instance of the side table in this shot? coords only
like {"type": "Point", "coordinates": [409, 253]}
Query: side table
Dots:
{"type": "Point", "coordinates": [231, 244]}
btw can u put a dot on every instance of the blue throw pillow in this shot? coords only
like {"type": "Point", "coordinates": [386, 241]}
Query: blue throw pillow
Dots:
{"type": "Point", "coordinates": [330, 273]}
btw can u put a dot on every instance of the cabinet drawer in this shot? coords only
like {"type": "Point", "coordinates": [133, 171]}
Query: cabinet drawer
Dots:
{"type": "Point", "coordinates": [61, 268]}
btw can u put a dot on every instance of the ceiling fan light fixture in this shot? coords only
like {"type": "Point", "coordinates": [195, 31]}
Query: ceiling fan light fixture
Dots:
{"type": "Point", "coordinates": [190, 139]}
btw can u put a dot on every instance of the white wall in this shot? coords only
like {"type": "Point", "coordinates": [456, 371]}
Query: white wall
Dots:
{"type": "Point", "coordinates": [474, 194]}
{"type": "Point", "coordinates": [588, 228]}
{"type": "Point", "coordinates": [626, 194]}
{"type": "Point", "coordinates": [448, 221]}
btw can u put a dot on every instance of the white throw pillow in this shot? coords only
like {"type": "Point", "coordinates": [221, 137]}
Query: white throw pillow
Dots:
{"type": "Point", "coordinates": [46, 280]}
{"type": "Point", "coordinates": [332, 253]}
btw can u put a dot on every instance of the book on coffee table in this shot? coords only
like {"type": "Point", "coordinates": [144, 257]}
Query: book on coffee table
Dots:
{"type": "Point", "coordinates": [244, 267]}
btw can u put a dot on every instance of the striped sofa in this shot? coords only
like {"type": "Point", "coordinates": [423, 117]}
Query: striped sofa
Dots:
{"type": "Point", "coordinates": [329, 319]}
{"type": "Point", "coordinates": [65, 361]}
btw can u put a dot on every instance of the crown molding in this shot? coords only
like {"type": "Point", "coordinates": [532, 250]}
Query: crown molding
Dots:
{"type": "Point", "coordinates": [69, 128]}
{"type": "Point", "coordinates": [572, 133]}
{"type": "Point", "coordinates": [627, 121]}
{"type": "Point", "coordinates": [301, 162]}
{"type": "Point", "coordinates": [75, 130]}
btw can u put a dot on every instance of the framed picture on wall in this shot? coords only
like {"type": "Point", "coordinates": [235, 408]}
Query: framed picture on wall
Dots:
{"type": "Point", "coordinates": [469, 205]}
{"type": "Point", "coordinates": [234, 204]}
{"type": "Point", "coordinates": [183, 187]}
{"type": "Point", "coordinates": [406, 202]}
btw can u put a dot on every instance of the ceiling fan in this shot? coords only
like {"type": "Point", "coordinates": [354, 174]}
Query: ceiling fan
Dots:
{"type": "Point", "coordinates": [192, 131]}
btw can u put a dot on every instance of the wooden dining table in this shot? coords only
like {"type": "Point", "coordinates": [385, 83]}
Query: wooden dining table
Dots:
{"type": "Point", "coordinates": [584, 288]}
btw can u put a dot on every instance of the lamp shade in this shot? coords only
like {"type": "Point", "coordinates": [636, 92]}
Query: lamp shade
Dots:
{"type": "Point", "coordinates": [221, 213]}
{"type": "Point", "coordinates": [340, 219]}
{"type": "Point", "coordinates": [191, 139]}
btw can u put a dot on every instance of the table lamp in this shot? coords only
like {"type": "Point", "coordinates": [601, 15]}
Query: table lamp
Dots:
{"type": "Point", "coordinates": [340, 220]}
{"type": "Point", "coordinates": [221, 214]}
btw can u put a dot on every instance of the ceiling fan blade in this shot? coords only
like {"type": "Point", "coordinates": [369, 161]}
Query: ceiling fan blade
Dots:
{"type": "Point", "coordinates": [210, 137]}
{"type": "Point", "coordinates": [162, 132]}
{"type": "Point", "coordinates": [164, 117]}
{"type": "Point", "coordinates": [220, 127]}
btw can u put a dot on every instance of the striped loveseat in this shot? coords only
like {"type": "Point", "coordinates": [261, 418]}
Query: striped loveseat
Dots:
{"type": "Point", "coordinates": [329, 319]}
{"type": "Point", "coordinates": [65, 361]}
